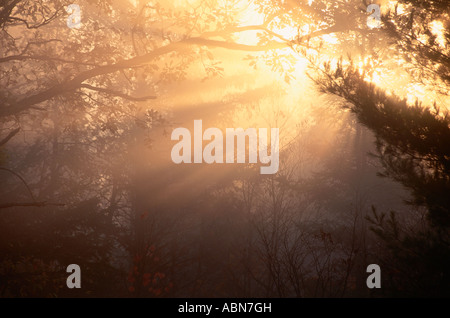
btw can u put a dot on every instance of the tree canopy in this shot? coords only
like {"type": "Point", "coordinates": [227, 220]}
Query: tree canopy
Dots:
{"type": "Point", "coordinates": [85, 120]}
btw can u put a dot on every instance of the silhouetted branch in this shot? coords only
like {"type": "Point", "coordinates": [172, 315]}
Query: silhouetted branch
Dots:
{"type": "Point", "coordinates": [77, 81]}
{"type": "Point", "coordinates": [35, 26]}
{"type": "Point", "coordinates": [115, 93]}
{"type": "Point", "coordinates": [41, 58]}
{"type": "Point", "coordinates": [35, 204]}
{"type": "Point", "coordinates": [10, 135]}
{"type": "Point", "coordinates": [21, 179]}
{"type": "Point", "coordinates": [7, 7]}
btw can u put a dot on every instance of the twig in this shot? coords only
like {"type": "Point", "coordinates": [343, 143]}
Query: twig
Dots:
{"type": "Point", "coordinates": [35, 204]}
{"type": "Point", "coordinates": [10, 135]}
{"type": "Point", "coordinates": [115, 93]}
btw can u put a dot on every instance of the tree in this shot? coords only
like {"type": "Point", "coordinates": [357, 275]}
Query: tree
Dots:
{"type": "Point", "coordinates": [77, 107]}
{"type": "Point", "coordinates": [413, 145]}
{"type": "Point", "coordinates": [416, 36]}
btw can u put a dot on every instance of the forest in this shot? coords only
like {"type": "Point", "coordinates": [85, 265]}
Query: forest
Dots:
{"type": "Point", "coordinates": [355, 93]}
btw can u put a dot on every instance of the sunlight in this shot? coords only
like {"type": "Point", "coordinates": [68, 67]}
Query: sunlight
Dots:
{"type": "Point", "coordinates": [390, 6]}
{"type": "Point", "coordinates": [375, 73]}
{"type": "Point", "coordinates": [438, 29]}
{"type": "Point", "coordinates": [363, 64]}
{"type": "Point", "coordinates": [376, 77]}
{"type": "Point", "coordinates": [250, 14]}
{"type": "Point", "coordinates": [330, 38]}
{"type": "Point", "coordinates": [414, 92]}
{"type": "Point", "coordinates": [135, 3]}
{"type": "Point", "coordinates": [287, 32]}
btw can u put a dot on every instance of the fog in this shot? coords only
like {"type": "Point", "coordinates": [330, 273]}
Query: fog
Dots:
{"type": "Point", "coordinates": [88, 113]}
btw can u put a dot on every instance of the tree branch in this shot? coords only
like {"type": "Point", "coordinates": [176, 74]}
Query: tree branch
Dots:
{"type": "Point", "coordinates": [41, 58]}
{"type": "Point", "coordinates": [10, 135]}
{"type": "Point", "coordinates": [227, 31]}
{"type": "Point", "coordinates": [76, 82]}
{"type": "Point", "coordinates": [21, 179]}
{"type": "Point", "coordinates": [7, 7]}
{"type": "Point", "coordinates": [36, 26]}
{"type": "Point", "coordinates": [115, 93]}
{"type": "Point", "coordinates": [35, 204]}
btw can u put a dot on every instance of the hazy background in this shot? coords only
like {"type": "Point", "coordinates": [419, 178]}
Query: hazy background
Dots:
{"type": "Point", "coordinates": [86, 175]}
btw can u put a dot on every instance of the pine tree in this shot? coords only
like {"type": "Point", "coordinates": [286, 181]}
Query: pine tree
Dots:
{"type": "Point", "coordinates": [413, 146]}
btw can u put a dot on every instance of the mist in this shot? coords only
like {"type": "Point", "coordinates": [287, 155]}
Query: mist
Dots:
{"type": "Point", "coordinates": [117, 150]}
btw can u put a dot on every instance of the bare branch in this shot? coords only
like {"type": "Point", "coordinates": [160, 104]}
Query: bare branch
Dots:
{"type": "Point", "coordinates": [36, 26]}
{"type": "Point", "coordinates": [21, 179]}
{"type": "Point", "coordinates": [35, 204]}
{"type": "Point", "coordinates": [7, 7]}
{"type": "Point", "coordinates": [10, 135]}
